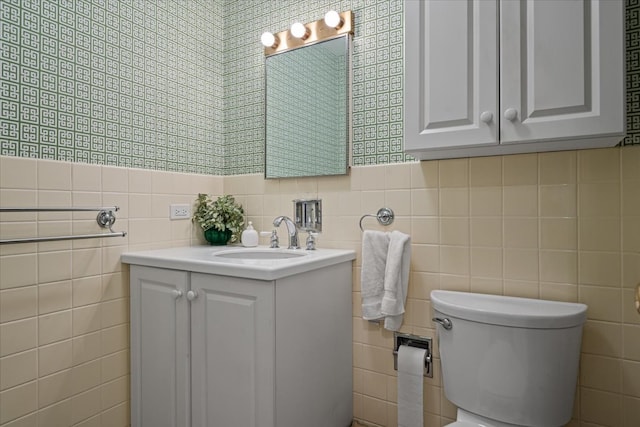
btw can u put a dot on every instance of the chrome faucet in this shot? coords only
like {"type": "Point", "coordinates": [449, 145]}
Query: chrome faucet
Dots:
{"type": "Point", "coordinates": [292, 230]}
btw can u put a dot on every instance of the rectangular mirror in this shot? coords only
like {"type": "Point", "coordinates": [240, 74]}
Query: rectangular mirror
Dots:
{"type": "Point", "coordinates": [308, 110]}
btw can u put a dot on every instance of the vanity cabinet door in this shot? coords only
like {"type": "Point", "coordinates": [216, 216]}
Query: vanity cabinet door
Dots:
{"type": "Point", "coordinates": [160, 371]}
{"type": "Point", "coordinates": [233, 351]}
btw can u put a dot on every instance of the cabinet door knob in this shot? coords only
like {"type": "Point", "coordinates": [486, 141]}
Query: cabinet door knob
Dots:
{"type": "Point", "coordinates": [191, 295]}
{"type": "Point", "coordinates": [486, 116]}
{"type": "Point", "coordinates": [177, 293]}
{"type": "Point", "coordinates": [510, 114]}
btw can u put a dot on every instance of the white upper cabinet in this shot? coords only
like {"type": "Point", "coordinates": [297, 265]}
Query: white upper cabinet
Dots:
{"type": "Point", "coordinates": [486, 77]}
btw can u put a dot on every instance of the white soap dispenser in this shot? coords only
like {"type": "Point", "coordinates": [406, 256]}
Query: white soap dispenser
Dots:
{"type": "Point", "coordinates": [249, 237]}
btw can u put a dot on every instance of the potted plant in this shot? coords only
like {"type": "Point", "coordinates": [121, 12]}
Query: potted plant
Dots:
{"type": "Point", "coordinates": [221, 220]}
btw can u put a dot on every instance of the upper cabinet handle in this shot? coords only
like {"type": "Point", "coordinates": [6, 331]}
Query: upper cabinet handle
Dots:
{"type": "Point", "coordinates": [510, 114]}
{"type": "Point", "coordinates": [177, 293]}
{"type": "Point", "coordinates": [486, 116]}
{"type": "Point", "coordinates": [191, 295]}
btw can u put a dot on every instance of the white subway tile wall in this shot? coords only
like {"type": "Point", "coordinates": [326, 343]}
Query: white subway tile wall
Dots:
{"type": "Point", "coordinates": [64, 307]}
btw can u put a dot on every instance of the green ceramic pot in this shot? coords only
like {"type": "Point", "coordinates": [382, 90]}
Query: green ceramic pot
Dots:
{"type": "Point", "coordinates": [218, 238]}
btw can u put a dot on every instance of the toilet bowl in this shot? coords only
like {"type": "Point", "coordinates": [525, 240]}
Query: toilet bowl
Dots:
{"type": "Point", "coordinates": [507, 361]}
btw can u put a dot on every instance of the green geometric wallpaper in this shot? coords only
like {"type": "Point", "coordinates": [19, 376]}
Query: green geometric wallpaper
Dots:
{"type": "Point", "coordinates": [178, 85]}
{"type": "Point", "coordinates": [377, 76]}
{"type": "Point", "coordinates": [118, 82]}
{"type": "Point", "coordinates": [633, 71]}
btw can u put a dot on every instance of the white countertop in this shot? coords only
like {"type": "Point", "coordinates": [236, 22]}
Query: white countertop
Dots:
{"type": "Point", "coordinates": [202, 259]}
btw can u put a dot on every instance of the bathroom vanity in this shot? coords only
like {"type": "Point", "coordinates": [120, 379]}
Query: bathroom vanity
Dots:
{"type": "Point", "coordinates": [241, 337]}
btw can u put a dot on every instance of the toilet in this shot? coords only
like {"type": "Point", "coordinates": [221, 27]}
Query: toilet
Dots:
{"type": "Point", "coordinates": [508, 361]}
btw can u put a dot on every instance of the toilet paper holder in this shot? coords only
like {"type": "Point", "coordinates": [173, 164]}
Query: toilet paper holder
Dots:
{"type": "Point", "coordinates": [414, 341]}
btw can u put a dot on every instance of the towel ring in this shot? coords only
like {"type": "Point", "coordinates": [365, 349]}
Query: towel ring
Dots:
{"type": "Point", "coordinates": [385, 217]}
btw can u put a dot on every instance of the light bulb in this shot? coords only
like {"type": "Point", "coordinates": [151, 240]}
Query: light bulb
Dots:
{"type": "Point", "coordinates": [333, 19]}
{"type": "Point", "coordinates": [268, 40]}
{"type": "Point", "coordinates": [299, 31]}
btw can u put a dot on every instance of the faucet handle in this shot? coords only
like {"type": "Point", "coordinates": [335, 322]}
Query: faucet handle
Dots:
{"type": "Point", "coordinates": [311, 241]}
{"type": "Point", "coordinates": [274, 242]}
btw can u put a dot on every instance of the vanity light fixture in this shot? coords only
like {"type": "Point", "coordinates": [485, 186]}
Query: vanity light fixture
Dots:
{"type": "Point", "coordinates": [333, 25]}
{"type": "Point", "coordinates": [333, 19]}
{"type": "Point", "coordinates": [269, 40]}
{"type": "Point", "coordinates": [299, 31]}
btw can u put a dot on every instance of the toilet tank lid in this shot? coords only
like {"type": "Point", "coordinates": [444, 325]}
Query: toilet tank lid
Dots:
{"type": "Point", "coordinates": [509, 311]}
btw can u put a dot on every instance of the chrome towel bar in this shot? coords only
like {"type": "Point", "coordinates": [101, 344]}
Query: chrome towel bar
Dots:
{"type": "Point", "coordinates": [108, 208]}
{"type": "Point", "coordinates": [105, 219]}
{"type": "Point", "coordinates": [57, 238]}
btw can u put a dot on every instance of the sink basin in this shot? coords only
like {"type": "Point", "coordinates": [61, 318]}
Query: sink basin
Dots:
{"type": "Point", "coordinates": [272, 254]}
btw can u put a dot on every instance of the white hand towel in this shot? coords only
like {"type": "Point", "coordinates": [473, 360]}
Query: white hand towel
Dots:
{"type": "Point", "coordinates": [375, 246]}
{"type": "Point", "coordinates": [396, 280]}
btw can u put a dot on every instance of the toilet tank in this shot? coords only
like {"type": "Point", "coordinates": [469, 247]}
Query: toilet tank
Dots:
{"type": "Point", "coordinates": [514, 360]}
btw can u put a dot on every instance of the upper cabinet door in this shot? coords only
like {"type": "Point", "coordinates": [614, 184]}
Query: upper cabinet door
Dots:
{"type": "Point", "coordinates": [562, 69]}
{"type": "Point", "coordinates": [451, 74]}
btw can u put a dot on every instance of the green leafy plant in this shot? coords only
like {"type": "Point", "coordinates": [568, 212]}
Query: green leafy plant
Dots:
{"type": "Point", "coordinates": [222, 214]}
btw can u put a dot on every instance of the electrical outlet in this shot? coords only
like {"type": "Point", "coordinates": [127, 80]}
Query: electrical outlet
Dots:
{"type": "Point", "coordinates": [180, 211]}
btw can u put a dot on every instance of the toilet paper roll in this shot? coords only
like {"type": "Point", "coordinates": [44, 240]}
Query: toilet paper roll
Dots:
{"type": "Point", "coordinates": [410, 388]}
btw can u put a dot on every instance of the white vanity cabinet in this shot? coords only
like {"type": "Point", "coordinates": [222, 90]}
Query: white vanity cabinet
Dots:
{"type": "Point", "coordinates": [486, 77]}
{"type": "Point", "coordinates": [211, 350]}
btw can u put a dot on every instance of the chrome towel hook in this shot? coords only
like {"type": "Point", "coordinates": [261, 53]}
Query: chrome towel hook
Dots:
{"type": "Point", "coordinates": [385, 216]}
